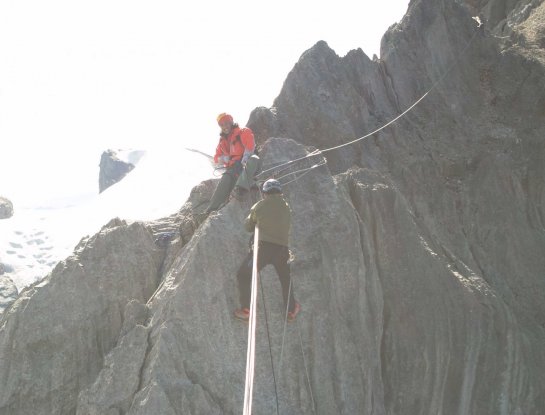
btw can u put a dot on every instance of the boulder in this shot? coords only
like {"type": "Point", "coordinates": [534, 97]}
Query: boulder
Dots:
{"type": "Point", "coordinates": [6, 208]}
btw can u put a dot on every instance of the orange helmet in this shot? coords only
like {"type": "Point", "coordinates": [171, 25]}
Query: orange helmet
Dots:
{"type": "Point", "coordinates": [224, 117]}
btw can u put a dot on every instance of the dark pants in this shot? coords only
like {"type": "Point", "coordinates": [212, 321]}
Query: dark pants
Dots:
{"type": "Point", "coordinates": [268, 253]}
{"type": "Point", "coordinates": [225, 186]}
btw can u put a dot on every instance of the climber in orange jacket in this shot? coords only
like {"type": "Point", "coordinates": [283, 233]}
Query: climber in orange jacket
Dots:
{"type": "Point", "coordinates": [236, 152]}
{"type": "Point", "coordinates": [235, 143]}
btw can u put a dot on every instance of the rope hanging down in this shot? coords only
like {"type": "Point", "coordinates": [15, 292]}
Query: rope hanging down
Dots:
{"type": "Point", "coordinates": [270, 347]}
{"type": "Point", "coordinates": [435, 84]}
{"type": "Point", "coordinates": [281, 167]}
{"type": "Point", "coordinates": [302, 351]}
{"type": "Point", "coordinates": [250, 356]}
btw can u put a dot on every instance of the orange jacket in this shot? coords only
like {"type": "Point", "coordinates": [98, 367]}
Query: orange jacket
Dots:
{"type": "Point", "coordinates": [234, 144]}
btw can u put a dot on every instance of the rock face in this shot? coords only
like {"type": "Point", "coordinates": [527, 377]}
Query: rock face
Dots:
{"type": "Point", "coordinates": [6, 208]}
{"type": "Point", "coordinates": [8, 290]}
{"type": "Point", "coordinates": [418, 253]}
{"type": "Point", "coordinates": [393, 320]}
{"type": "Point", "coordinates": [64, 326]}
{"type": "Point", "coordinates": [112, 170]}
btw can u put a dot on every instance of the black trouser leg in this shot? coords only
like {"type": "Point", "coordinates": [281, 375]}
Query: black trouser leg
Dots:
{"type": "Point", "coordinates": [244, 275]}
{"type": "Point", "coordinates": [269, 253]}
{"type": "Point", "coordinates": [244, 278]}
{"type": "Point", "coordinates": [282, 268]}
{"type": "Point", "coordinates": [224, 187]}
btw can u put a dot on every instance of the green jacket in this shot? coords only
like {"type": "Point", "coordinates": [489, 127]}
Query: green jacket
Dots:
{"type": "Point", "coordinates": [273, 217]}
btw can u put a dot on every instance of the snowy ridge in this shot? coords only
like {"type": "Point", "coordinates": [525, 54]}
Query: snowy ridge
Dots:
{"type": "Point", "coordinates": [37, 237]}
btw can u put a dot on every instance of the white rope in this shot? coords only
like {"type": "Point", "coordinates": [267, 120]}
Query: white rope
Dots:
{"type": "Point", "coordinates": [250, 356]}
{"type": "Point", "coordinates": [306, 369]}
{"type": "Point", "coordinates": [287, 163]}
{"type": "Point", "coordinates": [303, 172]}
{"type": "Point", "coordinates": [435, 84]}
{"type": "Point", "coordinates": [318, 152]}
{"type": "Point", "coordinates": [284, 331]}
{"type": "Point", "coordinates": [302, 351]}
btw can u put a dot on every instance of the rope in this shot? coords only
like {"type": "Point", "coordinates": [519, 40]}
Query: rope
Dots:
{"type": "Point", "coordinates": [306, 171]}
{"type": "Point", "coordinates": [306, 368]}
{"type": "Point", "coordinates": [449, 69]}
{"type": "Point", "coordinates": [321, 163]}
{"type": "Point", "coordinates": [250, 360]}
{"type": "Point", "coordinates": [250, 356]}
{"type": "Point", "coordinates": [302, 350]}
{"type": "Point", "coordinates": [218, 171]}
{"type": "Point", "coordinates": [285, 326]}
{"type": "Point", "coordinates": [287, 163]}
{"type": "Point", "coordinates": [202, 153]}
{"type": "Point", "coordinates": [270, 347]}
{"type": "Point", "coordinates": [319, 152]}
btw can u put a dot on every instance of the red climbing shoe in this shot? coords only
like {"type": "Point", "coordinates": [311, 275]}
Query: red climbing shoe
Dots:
{"type": "Point", "coordinates": [242, 314]}
{"type": "Point", "coordinates": [293, 314]}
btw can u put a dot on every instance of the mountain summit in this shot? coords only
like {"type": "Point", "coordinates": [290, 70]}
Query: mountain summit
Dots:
{"type": "Point", "coordinates": [418, 251]}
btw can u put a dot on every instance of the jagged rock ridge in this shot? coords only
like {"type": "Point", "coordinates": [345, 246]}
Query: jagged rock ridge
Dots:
{"type": "Point", "coordinates": [418, 253]}
{"type": "Point", "coordinates": [112, 169]}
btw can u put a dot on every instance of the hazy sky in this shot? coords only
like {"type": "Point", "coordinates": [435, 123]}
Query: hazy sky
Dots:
{"type": "Point", "coordinates": [92, 75]}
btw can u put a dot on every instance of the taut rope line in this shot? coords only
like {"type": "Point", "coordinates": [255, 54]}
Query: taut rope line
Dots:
{"type": "Point", "coordinates": [250, 356]}
{"type": "Point", "coordinates": [319, 152]}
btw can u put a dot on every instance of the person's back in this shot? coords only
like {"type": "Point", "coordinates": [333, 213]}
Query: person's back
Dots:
{"type": "Point", "coordinates": [273, 218]}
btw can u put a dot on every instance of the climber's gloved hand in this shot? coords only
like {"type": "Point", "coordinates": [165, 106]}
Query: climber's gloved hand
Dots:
{"type": "Point", "coordinates": [247, 154]}
{"type": "Point", "coordinates": [224, 159]}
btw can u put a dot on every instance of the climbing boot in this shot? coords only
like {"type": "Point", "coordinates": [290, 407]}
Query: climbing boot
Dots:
{"type": "Point", "coordinates": [242, 314]}
{"type": "Point", "coordinates": [293, 314]}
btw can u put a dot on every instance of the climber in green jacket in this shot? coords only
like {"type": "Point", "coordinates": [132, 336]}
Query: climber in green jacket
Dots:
{"type": "Point", "coordinates": [273, 218]}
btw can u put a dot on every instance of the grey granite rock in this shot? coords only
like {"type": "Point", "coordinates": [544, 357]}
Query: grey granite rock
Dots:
{"type": "Point", "coordinates": [8, 290]}
{"type": "Point", "coordinates": [56, 335]}
{"type": "Point", "coordinates": [418, 253]}
{"type": "Point", "coordinates": [112, 169]}
{"type": "Point", "coordinates": [6, 208]}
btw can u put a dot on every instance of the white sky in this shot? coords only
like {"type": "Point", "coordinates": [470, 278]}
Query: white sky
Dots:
{"type": "Point", "coordinates": [79, 77]}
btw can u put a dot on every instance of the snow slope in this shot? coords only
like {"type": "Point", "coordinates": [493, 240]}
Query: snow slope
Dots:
{"type": "Point", "coordinates": [41, 234]}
